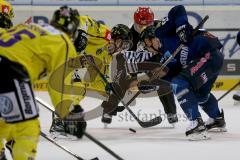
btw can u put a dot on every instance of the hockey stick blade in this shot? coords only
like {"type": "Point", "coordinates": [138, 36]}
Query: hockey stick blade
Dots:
{"type": "Point", "coordinates": [153, 122]}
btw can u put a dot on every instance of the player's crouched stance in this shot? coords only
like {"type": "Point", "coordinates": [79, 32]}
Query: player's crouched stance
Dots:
{"type": "Point", "coordinates": [69, 127]}
{"type": "Point", "coordinates": [193, 86]}
{"type": "Point", "coordinates": [29, 52]}
{"type": "Point", "coordinates": [200, 61]}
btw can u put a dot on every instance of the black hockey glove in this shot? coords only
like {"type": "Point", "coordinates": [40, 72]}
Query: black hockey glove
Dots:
{"type": "Point", "coordinates": [74, 123]}
{"type": "Point", "coordinates": [80, 40]}
{"type": "Point", "coordinates": [184, 33]}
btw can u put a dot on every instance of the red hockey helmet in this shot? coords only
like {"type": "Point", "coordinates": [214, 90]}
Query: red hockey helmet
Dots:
{"type": "Point", "coordinates": [143, 16]}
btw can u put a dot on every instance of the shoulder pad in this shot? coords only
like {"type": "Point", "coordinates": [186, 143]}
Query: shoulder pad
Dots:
{"type": "Point", "coordinates": [43, 28]}
{"type": "Point", "coordinates": [50, 29]}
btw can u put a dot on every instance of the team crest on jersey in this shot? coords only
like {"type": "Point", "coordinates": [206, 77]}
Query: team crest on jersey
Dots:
{"type": "Point", "coordinates": [6, 105]}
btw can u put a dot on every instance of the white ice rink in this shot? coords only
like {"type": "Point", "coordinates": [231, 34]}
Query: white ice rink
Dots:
{"type": "Point", "coordinates": [158, 143]}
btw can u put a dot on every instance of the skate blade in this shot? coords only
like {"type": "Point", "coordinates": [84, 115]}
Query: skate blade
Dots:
{"type": "Point", "coordinates": [199, 136]}
{"type": "Point", "coordinates": [63, 136]}
{"type": "Point", "coordinates": [217, 130]}
{"type": "Point", "coordinates": [105, 125]}
{"type": "Point", "coordinates": [172, 125]}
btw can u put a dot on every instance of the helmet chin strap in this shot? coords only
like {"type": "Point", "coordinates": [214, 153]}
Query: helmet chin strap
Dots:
{"type": "Point", "coordinates": [156, 50]}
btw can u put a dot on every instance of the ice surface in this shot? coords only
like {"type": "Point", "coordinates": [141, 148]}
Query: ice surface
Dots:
{"type": "Point", "coordinates": [158, 143]}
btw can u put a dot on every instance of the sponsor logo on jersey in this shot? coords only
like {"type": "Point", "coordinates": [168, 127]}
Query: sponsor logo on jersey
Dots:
{"type": "Point", "coordinates": [204, 77]}
{"type": "Point", "coordinates": [6, 105]}
{"type": "Point", "coordinates": [199, 65]}
{"type": "Point", "coordinates": [184, 56]}
{"type": "Point", "coordinates": [26, 98]}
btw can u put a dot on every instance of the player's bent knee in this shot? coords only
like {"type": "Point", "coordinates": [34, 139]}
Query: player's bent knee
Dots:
{"type": "Point", "coordinates": [180, 87]}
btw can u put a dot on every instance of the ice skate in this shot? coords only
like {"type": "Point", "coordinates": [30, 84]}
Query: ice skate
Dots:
{"type": "Point", "coordinates": [172, 118]}
{"type": "Point", "coordinates": [57, 130]}
{"type": "Point", "coordinates": [236, 98]}
{"type": "Point", "coordinates": [197, 131]}
{"type": "Point", "coordinates": [106, 118]}
{"type": "Point", "coordinates": [216, 125]}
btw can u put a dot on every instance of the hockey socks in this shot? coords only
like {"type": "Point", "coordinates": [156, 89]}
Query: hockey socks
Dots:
{"type": "Point", "coordinates": [210, 106]}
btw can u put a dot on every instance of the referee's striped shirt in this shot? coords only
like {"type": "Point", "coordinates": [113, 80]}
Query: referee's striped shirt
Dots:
{"type": "Point", "coordinates": [133, 57]}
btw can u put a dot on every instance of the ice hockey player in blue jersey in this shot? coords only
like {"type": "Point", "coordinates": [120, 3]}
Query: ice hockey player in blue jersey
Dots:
{"type": "Point", "coordinates": [192, 72]}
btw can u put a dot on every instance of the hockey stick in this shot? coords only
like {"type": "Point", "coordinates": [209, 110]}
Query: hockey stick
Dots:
{"type": "Point", "coordinates": [63, 148]}
{"type": "Point", "coordinates": [228, 91]}
{"type": "Point", "coordinates": [146, 124]}
{"type": "Point", "coordinates": [174, 54]}
{"type": "Point", "coordinates": [156, 120]}
{"type": "Point", "coordinates": [51, 109]}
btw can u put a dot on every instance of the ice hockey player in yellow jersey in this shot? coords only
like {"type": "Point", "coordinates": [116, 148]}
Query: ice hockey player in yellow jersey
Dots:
{"type": "Point", "coordinates": [98, 40]}
{"type": "Point", "coordinates": [6, 15]}
{"type": "Point", "coordinates": [86, 77]}
{"type": "Point", "coordinates": [29, 52]}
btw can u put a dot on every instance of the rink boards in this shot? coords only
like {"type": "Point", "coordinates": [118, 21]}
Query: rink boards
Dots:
{"type": "Point", "coordinates": [220, 84]}
{"type": "Point", "coordinates": [223, 18]}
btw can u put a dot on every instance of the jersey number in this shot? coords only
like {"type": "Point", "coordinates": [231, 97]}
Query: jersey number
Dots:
{"type": "Point", "coordinates": [16, 37]}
